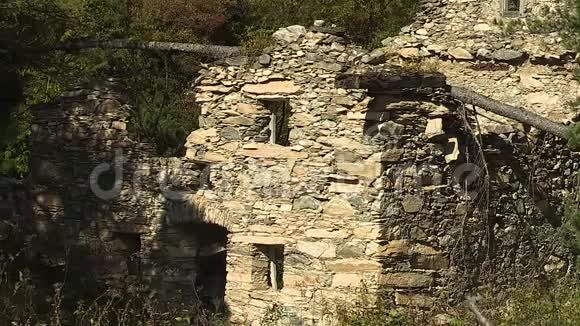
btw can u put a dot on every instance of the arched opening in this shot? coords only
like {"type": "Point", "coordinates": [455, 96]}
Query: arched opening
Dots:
{"type": "Point", "coordinates": [210, 278]}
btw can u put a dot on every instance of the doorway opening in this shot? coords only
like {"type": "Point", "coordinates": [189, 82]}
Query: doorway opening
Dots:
{"type": "Point", "coordinates": [210, 278]}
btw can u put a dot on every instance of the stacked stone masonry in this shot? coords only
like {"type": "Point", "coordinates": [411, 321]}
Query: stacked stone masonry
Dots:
{"type": "Point", "coordinates": [496, 54]}
{"type": "Point", "coordinates": [313, 190]}
{"type": "Point", "coordinates": [362, 192]}
{"type": "Point", "coordinates": [105, 200]}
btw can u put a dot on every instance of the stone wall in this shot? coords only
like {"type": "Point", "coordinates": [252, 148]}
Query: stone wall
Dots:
{"type": "Point", "coordinates": [495, 55]}
{"type": "Point", "coordinates": [319, 189]}
{"type": "Point", "coordinates": [107, 204]}
{"type": "Point", "coordinates": [14, 206]}
{"type": "Point", "coordinates": [368, 187]}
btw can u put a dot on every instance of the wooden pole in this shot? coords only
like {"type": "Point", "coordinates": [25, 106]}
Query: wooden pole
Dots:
{"type": "Point", "coordinates": [509, 111]}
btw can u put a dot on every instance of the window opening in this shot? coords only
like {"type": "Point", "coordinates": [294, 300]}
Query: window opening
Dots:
{"type": "Point", "coordinates": [269, 267]}
{"type": "Point", "coordinates": [512, 7]}
{"type": "Point", "coordinates": [279, 119]}
{"type": "Point", "coordinates": [132, 251]}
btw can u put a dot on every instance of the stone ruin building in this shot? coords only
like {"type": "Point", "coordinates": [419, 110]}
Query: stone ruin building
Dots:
{"type": "Point", "coordinates": [313, 175]}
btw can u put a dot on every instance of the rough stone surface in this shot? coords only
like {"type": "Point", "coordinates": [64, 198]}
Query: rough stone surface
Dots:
{"type": "Point", "coordinates": [359, 188]}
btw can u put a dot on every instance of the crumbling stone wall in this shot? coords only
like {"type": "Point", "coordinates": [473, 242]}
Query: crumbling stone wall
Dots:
{"type": "Point", "coordinates": [370, 187]}
{"type": "Point", "coordinates": [14, 206]}
{"type": "Point", "coordinates": [322, 189]}
{"type": "Point", "coordinates": [477, 47]}
{"type": "Point", "coordinates": [106, 204]}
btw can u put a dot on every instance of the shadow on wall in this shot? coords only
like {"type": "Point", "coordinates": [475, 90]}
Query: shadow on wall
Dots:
{"type": "Point", "coordinates": [131, 241]}
{"type": "Point", "coordinates": [498, 231]}
{"type": "Point", "coordinates": [193, 254]}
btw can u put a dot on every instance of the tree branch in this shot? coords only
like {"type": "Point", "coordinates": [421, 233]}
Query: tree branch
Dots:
{"type": "Point", "coordinates": [481, 319]}
{"type": "Point", "coordinates": [398, 82]}
{"type": "Point", "coordinates": [509, 111]}
{"type": "Point", "coordinates": [214, 51]}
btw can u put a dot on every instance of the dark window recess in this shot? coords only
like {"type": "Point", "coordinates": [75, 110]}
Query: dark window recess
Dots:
{"type": "Point", "coordinates": [279, 119]}
{"type": "Point", "coordinates": [273, 272]}
{"type": "Point", "coordinates": [512, 7]}
{"type": "Point", "coordinates": [132, 251]}
{"type": "Point", "coordinates": [204, 177]}
{"type": "Point", "coordinates": [210, 279]}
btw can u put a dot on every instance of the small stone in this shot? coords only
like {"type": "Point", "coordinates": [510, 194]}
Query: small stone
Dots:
{"type": "Point", "coordinates": [482, 28]}
{"type": "Point", "coordinates": [319, 23]}
{"type": "Point", "coordinates": [339, 206]}
{"type": "Point", "coordinates": [353, 266]}
{"type": "Point", "coordinates": [317, 249]}
{"type": "Point", "coordinates": [337, 47]}
{"type": "Point", "coordinates": [119, 125]}
{"type": "Point", "coordinates": [237, 61]}
{"type": "Point", "coordinates": [335, 67]}
{"type": "Point", "coordinates": [240, 121]}
{"type": "Point", "coordinates": [351, 280]}
{"type": "Point", "coordinates": [302, 119]}
{"type": "Point", "coordinates": [421, 31]}
{"type": "Point", "coordinates": [409, 52]}
{"type": "Point", "coordinates": [326, 234]}
{"type": "Point", "coordinates": [289, 34]}
{"type": "Point", "coordinates": [276, 87]}
{"type": "Point", "coordinates": [412, 204]}
{"type": "Point", "coordinates": [453, 150]}
{"type": "Point", "coordinates": [230, 133]}
{"type": "Point", "coordinates": [434, 129]}
{"type": "Point", "coordinates": [484, 54]}
{"type": "Point", "coordinates": [406, 280]}
{"type": "Point", "coordinates": [264, 59]}
{"type": "Point", "coordinates": [343, 100]}
{"type": "Point", "coordinates": [414, 300]}
{"type": "Point", "coordinates": [437, 48]}
{"type": "Point", "coordinates": [351, 250]}
{"type": "Point", "coordinates": [507, 55]}
{"type": "Point", "coordinates": [460, 54]}
{"type": "Point", "coordinates": [375, 57]}
{"type": "Point", "coordinates": [306, 202]}
{"type": "Point", "coordinates": [499, 129]}
{"type": "Point", "coordinates": [199, 136]}
{"type": "Point", "coordinates": [244, 108]}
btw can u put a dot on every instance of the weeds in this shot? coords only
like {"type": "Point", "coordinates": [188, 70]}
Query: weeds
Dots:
{"type": "Point", "coordinates": [423, 65]}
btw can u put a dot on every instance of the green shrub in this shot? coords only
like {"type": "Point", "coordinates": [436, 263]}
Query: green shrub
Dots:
{"type": "Point", "coordinates": [544, 305]}
{"type": "Point", "coordinates": [255, 41]}
{"type": "Point", "coordinates": [574, 136]}
{"type": "Point", "coordinates": [367, 22]}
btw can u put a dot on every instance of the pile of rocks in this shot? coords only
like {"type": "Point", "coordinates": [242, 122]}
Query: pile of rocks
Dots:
{"type": "Point", "coordinates": [473, 50]}
{"type": "Point", "coordinates": [468, 30]}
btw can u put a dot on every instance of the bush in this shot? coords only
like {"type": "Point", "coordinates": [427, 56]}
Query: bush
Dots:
{"type": "Point", "coordinates": [256, 41]}
{"type": "Point", "coordinates": [540, 305]}
{"type": "Point", "coordinates": [367, 22]}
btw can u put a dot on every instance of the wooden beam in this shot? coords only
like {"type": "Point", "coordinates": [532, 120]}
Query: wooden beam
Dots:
{"type": "Point", "coordinates": [505, 110]}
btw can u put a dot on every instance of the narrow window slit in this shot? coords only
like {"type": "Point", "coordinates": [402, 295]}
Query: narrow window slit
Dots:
{"type": "Point", "coordinates": [279, 120]}
{"type": "Point", "coordinates": [269, 260]}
